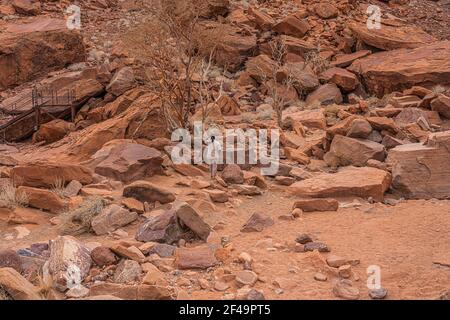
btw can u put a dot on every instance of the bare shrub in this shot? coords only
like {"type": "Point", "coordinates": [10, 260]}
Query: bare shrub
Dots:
{"type": "Point", "coordinates": [11, 197]}
{"type": "Point", "coordinates": [78, 221]}
{"type": "Point", "coordinates": [316, 62]}
{"type": "Point", "coordinates": [277, 95]}
{"type": "Point", "coordinates": [171, 47]}
{"type": "Point", "coordinates": [59, 187]}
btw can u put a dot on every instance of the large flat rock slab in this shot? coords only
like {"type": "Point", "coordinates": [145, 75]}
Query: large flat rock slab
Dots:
{"type": "Point", "coordinates": [31, 49]}
{"type": "Point", "coordinates": [396, 70]}
{"type": "Point", "coordinates": [422, 171]}
{"type": "Point", "coordinates": [36, 24]}
{"type": "Point", "coordinates": [125, 161]}
{"type": "Point", "coordinates": [392, 37]}
{"type": "Point", "coordinates": [350, 181]}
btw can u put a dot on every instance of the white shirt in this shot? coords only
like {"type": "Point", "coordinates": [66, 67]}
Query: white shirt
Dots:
{"type": "Point", "coordinates": [213, 151]}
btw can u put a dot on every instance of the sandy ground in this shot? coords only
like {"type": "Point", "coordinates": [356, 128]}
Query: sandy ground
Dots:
{"type": "Point", "coordinates": [410, 242]}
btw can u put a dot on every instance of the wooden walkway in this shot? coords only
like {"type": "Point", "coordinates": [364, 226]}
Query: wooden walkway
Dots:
{"type": "Point", "coordinates": [47, 104]}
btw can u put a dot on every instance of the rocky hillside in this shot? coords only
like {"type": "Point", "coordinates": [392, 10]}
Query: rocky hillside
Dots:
{"type": "Point", "coordinates": [93, 207]}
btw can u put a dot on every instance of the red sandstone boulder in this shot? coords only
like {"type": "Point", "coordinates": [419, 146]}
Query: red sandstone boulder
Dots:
{"type": "Point", "coordinates": [385, 72]}
{"type": "Point", "coordinates": [46, 38]}
{"type": "Point", "coordinates": [350, 181]}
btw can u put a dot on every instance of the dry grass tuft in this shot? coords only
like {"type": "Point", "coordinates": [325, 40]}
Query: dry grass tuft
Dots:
{"type": "Point", "coordinates": [248, 117]}
{"type": "Point", "coordinates": [316, 62]}
{"type": "Point", "coordinates": [59, 187]}
{"type": "Point", "coordinates": [438, 89]}
{"type": "Point", "coordinates": [44, 287]}
{"type": "Point", "coordinates": [4, 295]}
{"type": "Point", "coordinates": [78, 221]}
{"type": "Point", "coordinates": [12, 198]}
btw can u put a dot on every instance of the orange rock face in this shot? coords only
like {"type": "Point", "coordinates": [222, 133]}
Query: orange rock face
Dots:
{"type": "Point", "coordinates": [48, 39]}
{"type": "Point", "coordinates": [45, 175]}
{"type": "Point", "coordinates": [422, 170]}
{"type": "Point", "coordinates": [350, 181]}
{"type": "Point", "coordinates": [385, 72]}
{"type": "Point", "coordinates": [392, 37]}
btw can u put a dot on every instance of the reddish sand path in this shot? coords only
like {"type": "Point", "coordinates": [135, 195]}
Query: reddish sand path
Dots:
{"type": "Point", "coordinates": [404, 241]}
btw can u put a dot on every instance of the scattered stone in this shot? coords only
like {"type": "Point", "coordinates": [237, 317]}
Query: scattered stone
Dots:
{"type": "Point", "coordinates": [220, 286]}
{"type": "Point", "coordinates": [155, 277]}
{"type": "Point", "coordinates": [245, 258]}
{"type": "Point", "coordinates": [133, 205]}
{"type": "Point", "coordinates": [321, 247]}
{"type": "Point", "coordinates": [188, 170]}
{"type": "Point", "coordinates": [262, 20]}
{"type": "Point", "coordinates": [246, 278]}
{"type": "Point", "coordinates": [445, 295]}
{"type": "Point", "coordinates": [344, 60]}
{"type": "Point", "coordinates": [345, 271]}
{"type": "Point", "coordinates": [111, 218]}
{"type": "Point", "coordinates": [127, 271]}
{"type": "Point", "coordinates": [311, 205]}
{"type": "Point", "coordinates": [218, 196]}
{"type": "Point", "coordinates": [201, 257]}
{"type": "Point", "coordinates": [103, 256]}
{"type": "Point", "coordinates": [190, 218]}
{"type": "Point", "coordinates": [246, 190]}
{"type": "Point", "coordinates": [304, 238]}
{"type": "Point", "coordinates": [17, 286]}
{"type": "Point", "coordinates": [131, 252]}
{"type": "Point", "coordinates": [284, 181]}
{"type": "Point", "coordinates": [309, 118]}
{"type": "Point", "coordinates": [257, 223]}
{"type": "Point", "coordinates": [360, 128]}
{"type": "Point", "coordinates": [53, 131]}
{"type": "Point", "coordinates": [77, 292]}
{"type": "Point", "coordinates": [344, 79]}
{"type": "Point", "coordinates": [292, 26]}
{"type": "Point", "coordinates": [10, 259]}
{"type": "Point", "coordinates": [163, 250]}
{"type": "Point", "coordinates": [345, 151]}
{"type": "Point", "coordinates": [69, 262]}
{"type": "Point", "coordinates": [326, 10]}
{"type": "Point", "coordinates": [297, 213]}
{"type": "Point", "coordinates": [344, 289]}
{"type": "Point", "coordinates": [378, 294]}
{"type": "Point", "coordinates": [320, 277]}
{"type": "Point", "coordinates": [325, 95]}
{"type": "Point", "coordinates": [335, 261]}
{"type": "Point", "coordinates": [122, 81]}
{"type": "Point", "coordinates": [72, 189]}
{"type": "Point", "coordinates": [233, 174]}
{"type": "Point", "coordinates": [442, 105]}
{"type": "Point", "coordinates": [161, 228]}
{"type": "Point", "coordinates": [286, 217]}
{"type": "Point", "coordinates": [147, 192]}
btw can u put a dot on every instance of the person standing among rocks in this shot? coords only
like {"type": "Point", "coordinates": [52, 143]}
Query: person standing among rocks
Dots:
{"type": "Point", "coordinates": [213, 153]}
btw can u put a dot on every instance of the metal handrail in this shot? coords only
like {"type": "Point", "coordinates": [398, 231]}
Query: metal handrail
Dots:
{"type": "Point", "coordinates": [40, 98]}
